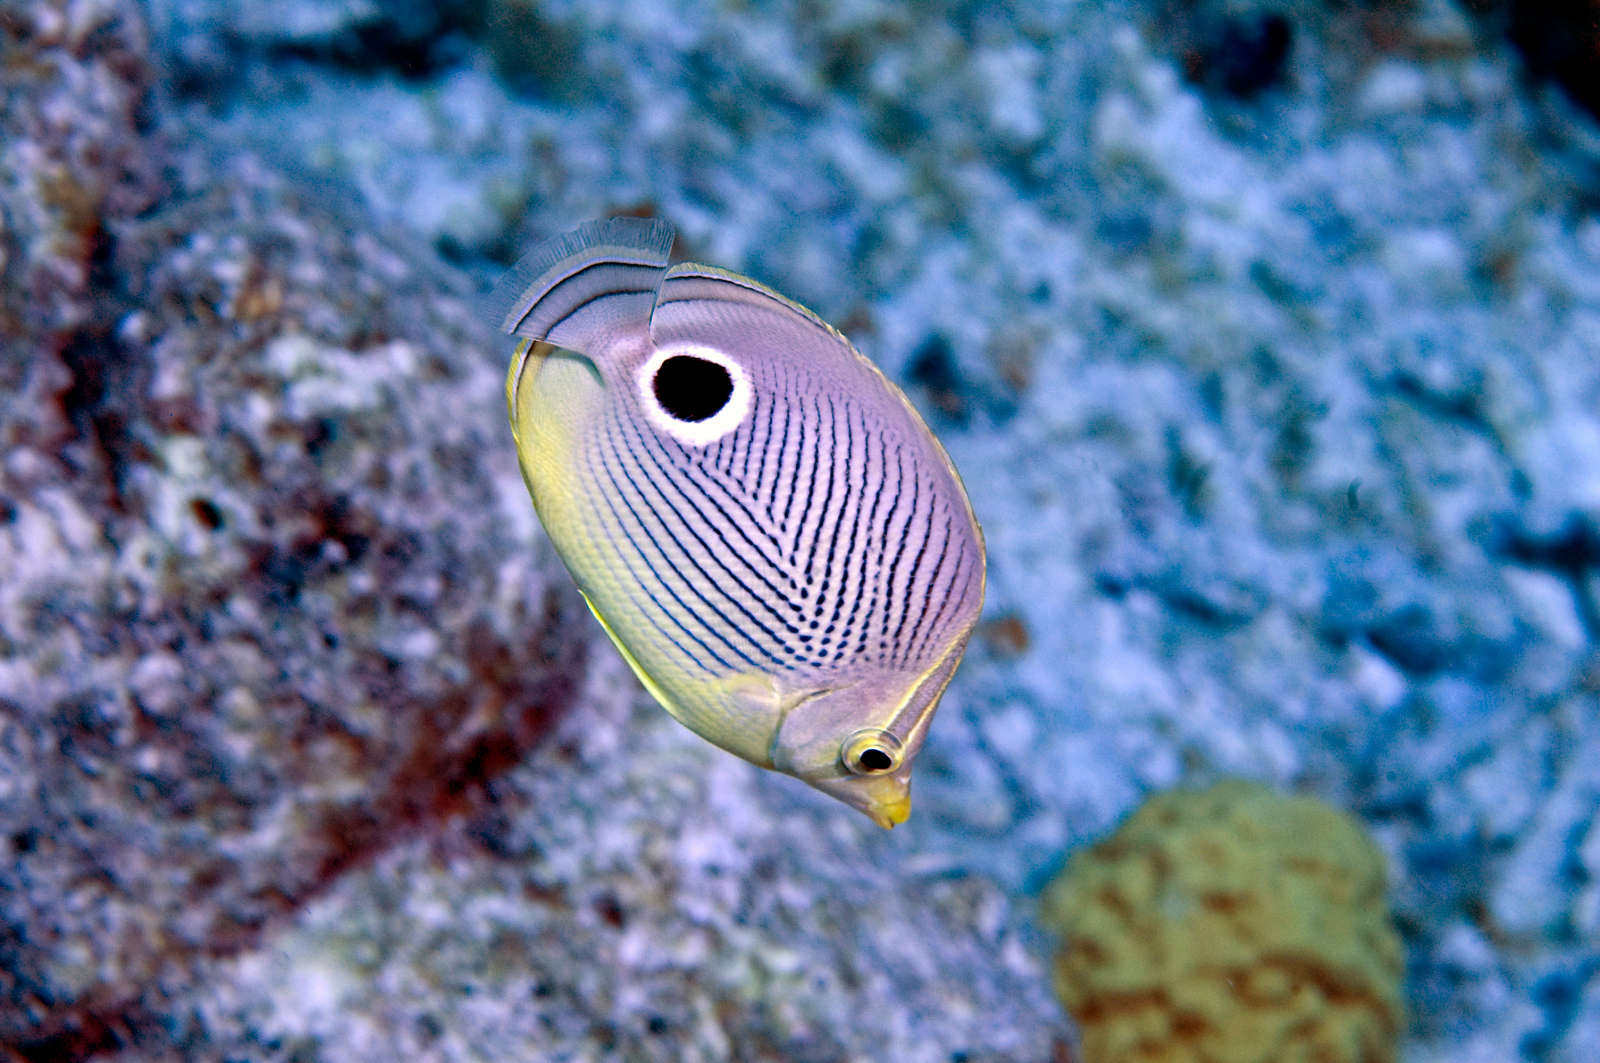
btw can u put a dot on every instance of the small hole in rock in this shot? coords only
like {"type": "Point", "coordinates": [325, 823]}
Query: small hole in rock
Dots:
{"type": "Point", "coordinates": [206, 512]}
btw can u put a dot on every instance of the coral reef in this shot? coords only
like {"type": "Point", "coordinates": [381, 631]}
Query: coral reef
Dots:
{"type": "Point", "coordinates": [1263, 335]}
{"type": "Point", "coordinates": [638, 895]}
{"type": "Point", "coordinates": [75, 88]}
{"type": "Point", "coordinates": [269, 594]}
{"type": "Point", "coordinates": [282, 652]}
{"type": "Point", "coordinates": [1229, 925]}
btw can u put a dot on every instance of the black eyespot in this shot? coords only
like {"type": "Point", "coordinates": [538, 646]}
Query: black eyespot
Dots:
{"type": "Point", "coordinates": [692, 389]}
{"type": "Point", "coordinates": [875, 759]}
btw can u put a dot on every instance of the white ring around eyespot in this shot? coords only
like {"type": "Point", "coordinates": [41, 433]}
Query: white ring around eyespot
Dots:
{"type": "Point", "coordinates": [713, 428]}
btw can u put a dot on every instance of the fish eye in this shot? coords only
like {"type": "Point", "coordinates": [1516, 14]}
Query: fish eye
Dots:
{"type": "Point", "coordinates": [691, 389]}
{"type": "Point", "coordinates": [870, 751]}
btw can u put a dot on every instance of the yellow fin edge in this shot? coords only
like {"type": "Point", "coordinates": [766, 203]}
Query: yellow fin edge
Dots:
{"type": "Point", "coordinates": [638, 669]}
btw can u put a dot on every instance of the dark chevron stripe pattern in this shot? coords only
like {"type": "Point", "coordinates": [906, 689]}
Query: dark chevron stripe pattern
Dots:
{"type": "Point", "coordinates": [812, 539]}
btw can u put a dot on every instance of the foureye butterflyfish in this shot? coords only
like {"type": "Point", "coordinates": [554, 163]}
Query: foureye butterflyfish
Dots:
{"type": "Point", "coordinates": [764, 526]}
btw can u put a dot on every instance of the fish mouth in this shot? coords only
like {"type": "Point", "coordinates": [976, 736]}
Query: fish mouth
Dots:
{"type": "Point", "coordinates": [888, 814]}
{"type": "Point", "coordinates": [884, 799]}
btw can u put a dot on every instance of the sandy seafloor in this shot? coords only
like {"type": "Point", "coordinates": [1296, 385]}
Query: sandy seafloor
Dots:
{"type": "Point", "coordinates": [1279, 404]}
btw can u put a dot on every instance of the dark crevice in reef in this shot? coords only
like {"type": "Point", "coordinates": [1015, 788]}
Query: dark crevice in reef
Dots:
{"type": "Point", "coordinates": [1410, 640]}
{"type": "Point", "coordinates": [1231, 55]}
{"type": "Point", "coordinates": [415, 40]}
{"type": "Point", "coordinates": [1407, 634]}
{"type": "Point", "coordinates": [1572, 553]}
{"type": "Point", "coordinates": [415, 48]}
{"type": "Point", "coordinates": [534, 56]}
{"type": "Point", "coordinates": [89, 1033]}
{"type": "Point", "coordinates": [108, 377]}
{"type": "Point", "coordinates": [1560, 41]}
{"type": "Point", "coordinates": [933, 369]}
{"type": "Point", "coordinates": [1241, 56]}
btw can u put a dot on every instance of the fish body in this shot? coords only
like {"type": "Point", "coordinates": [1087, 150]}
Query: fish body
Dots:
{"type": "Point", "coordinates": [764, 526]}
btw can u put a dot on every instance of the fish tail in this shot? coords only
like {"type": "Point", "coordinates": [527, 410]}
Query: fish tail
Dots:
{"type": "Point", "coordinates": [581, 289]}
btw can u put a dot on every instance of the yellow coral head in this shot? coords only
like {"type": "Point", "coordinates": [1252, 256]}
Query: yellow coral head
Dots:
{"type": "Point", "coordinates": [1235, 925]}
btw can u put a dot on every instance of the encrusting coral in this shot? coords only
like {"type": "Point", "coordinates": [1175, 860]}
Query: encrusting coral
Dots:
{"type": "Point", "coordinates": [1229, 925]}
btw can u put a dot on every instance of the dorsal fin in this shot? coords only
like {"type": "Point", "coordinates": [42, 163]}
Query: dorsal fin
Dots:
{"type": "Point", "coordinates": [712, 307]}
{"type": "Point", "coordinates": [693, 282]}
{"type": "Point", "coordinates": [583, 288]}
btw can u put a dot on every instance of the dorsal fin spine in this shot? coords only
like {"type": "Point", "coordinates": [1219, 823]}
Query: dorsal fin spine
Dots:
{"type": "Point", "coordinates": [581, 288]}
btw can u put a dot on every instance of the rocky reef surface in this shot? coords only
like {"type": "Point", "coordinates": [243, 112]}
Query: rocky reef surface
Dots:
{"type": "Point", "coordinates": [304, 753]}
{"type": "Point", "coordinates": [1264, 335]}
